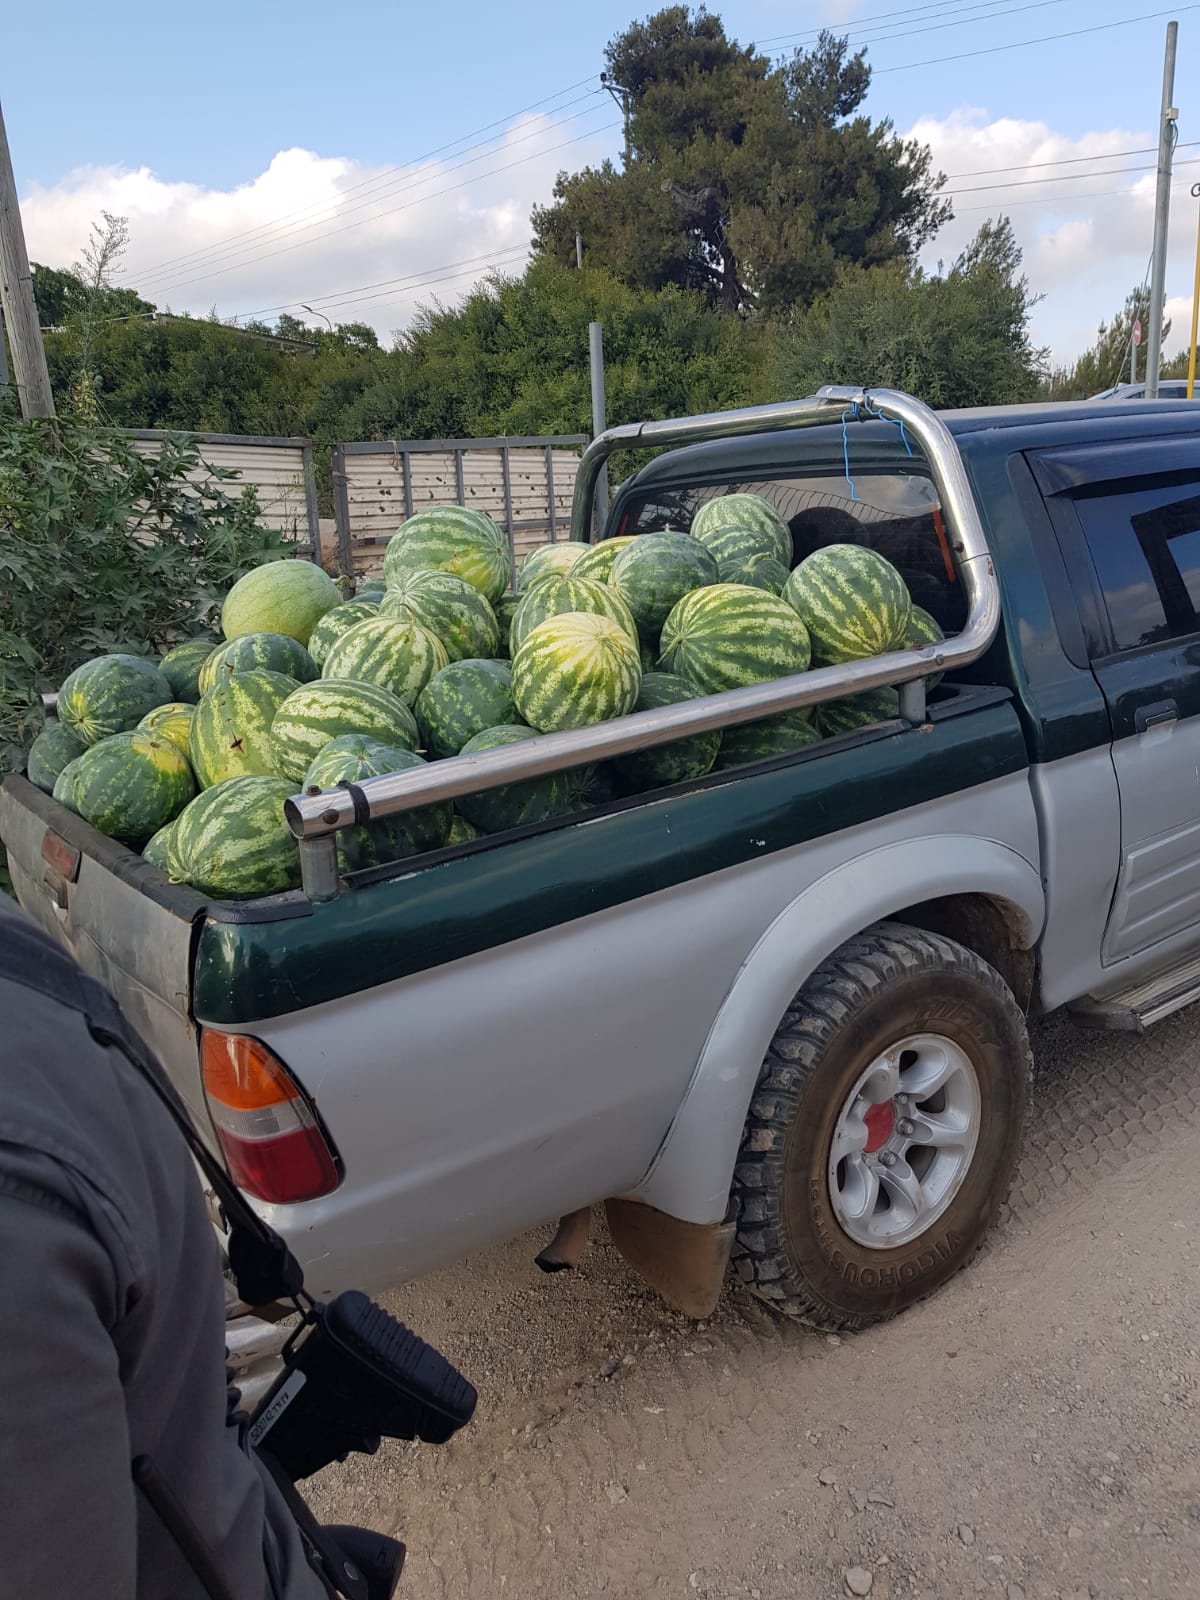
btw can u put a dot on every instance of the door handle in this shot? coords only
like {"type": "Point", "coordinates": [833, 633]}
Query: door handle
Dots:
{"type": "Point", "coordinates": [1156, 715]}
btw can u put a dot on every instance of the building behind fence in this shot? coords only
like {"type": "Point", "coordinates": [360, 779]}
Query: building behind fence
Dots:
{"type": "Point", "coordinates": [525, 485]}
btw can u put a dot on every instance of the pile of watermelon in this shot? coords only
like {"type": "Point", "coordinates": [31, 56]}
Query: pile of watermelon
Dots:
{"type": "Point", "coordinates": [190, 758]}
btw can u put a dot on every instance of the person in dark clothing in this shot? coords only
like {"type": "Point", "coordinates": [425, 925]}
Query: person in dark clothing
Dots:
{"type": "Point", "coordinates": [111, 1331]}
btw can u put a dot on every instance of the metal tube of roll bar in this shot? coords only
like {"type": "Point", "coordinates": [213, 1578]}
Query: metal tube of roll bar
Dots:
{"type": "Point", "coordinates": [318, 816]}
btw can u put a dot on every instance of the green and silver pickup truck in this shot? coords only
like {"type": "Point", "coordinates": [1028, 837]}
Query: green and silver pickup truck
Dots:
{"type": "Point", "coordinates": [775, 1017]}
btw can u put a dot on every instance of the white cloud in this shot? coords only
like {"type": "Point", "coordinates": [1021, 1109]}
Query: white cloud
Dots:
{"type": "Point", "coordinates": [1086, 240]}
{"type": "Point", "coordinates": [310, 227]}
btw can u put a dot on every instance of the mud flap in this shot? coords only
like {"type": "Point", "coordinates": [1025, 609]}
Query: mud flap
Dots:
{"type": "Point", "coordinates": [685, 1262]}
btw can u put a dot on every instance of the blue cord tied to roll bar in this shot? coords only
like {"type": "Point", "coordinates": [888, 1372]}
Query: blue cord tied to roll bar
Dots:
{"type": "Point", "coordinates": [858, 411]}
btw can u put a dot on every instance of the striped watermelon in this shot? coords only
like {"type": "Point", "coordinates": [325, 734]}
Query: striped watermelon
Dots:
{"type": "Point", "coordinates": [462, 700]}
{"type": "Point", "coordinates": [447, 607]}
{"type": "Point", "coordinates": [157, 850]}
{"type": "Point", "coordinates": [317, 712]}
{"type": "Point", "coordinates": [679, 761]}
{"type": "Point", "coordinates": [761, 741]}
{"type": "Point", "coordinates": [49, 753]}
{"type": "Point", "coordinates": [181, 668]}
{"type": "Point", "coordinates": [550, 561]}
{"type": "Point", "coordinates": [553, 597]}
{"type": "Point", "coordinates": [461, 831]}
{"type": "Point", "coordinates": [280, 597]}
{"type": "Point", "coordinates": [110, 695]}
{"type": "Point", "coordinates": [451, 539]}
{"type": "Point", "coordinates": [655, 572]}
{"type": "Point", "coordinates": [858, 711]}
{"type": "Point", "coordinates": [506, 609]}
{"type": "Point", "coordinates": [730, 635]}
{"type": "Point", "coordinates": [132, 784]}
{"type": "Point", "coordinates": [398, 656]}
{"type": "Point", "coordinates": [231, 728]}
{"type": "Point", "coordinates": [371, 589]}
{"type": "Point", "coordinates": [339, 621]}
{"type": "Point", "coordinates": [574, 670]}
{"type": "Point", "coordinates": [233, 843]}
{"type": "Point", "coordinates": [64, 784]}
{"type": "Point", "coordinates": [756, 570]}
{"type": "Point", "coordinates": [518, 805]}
{"type": "Point", "coordinates": [852, 601]}
{"type": "Point", "coordinates": [741, 525]}
{"type": "Point", "coordinates": [924, 630]}
{"type": "Point", "coordinates": [598, 563]}
{"type": "Point", "coordinates": [350, 759]}
{"type": "Point", "coordinates": [258, 652]}
{"type": "Point", "coordinates": [172, 721]}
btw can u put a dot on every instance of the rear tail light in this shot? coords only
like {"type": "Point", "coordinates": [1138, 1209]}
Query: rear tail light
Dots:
{"type": "Point", "coordinates": [269, 1135]}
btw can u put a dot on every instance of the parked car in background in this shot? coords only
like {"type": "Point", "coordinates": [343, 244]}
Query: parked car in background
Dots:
{"type": "Point", "coordinates": [1168, 389]}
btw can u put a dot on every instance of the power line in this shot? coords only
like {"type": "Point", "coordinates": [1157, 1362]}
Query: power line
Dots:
{"type": "Point", "coordinates": [378, 177]}
{"type": "Point", "coordinates": [1047, 38]}
{"type": "Point", "coordinates": [490, 258]}
{"type": "Point", "coordinates": [1053, 201]}
{"type": "Point", "coordinates": [249, 255]}
{"type": "Point", "coordinates": [998, 12]}
{"type": "Point", "coordinates": [908, 13]}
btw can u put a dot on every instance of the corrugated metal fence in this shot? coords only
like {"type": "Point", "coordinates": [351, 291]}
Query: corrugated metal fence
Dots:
{"type": "Point", "coordinates": [279, 470]}
{"type": "Point", "coordinates": [526, 485]}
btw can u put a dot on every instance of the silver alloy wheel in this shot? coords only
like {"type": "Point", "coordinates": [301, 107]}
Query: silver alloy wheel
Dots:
{"type": "Point", "coordinates": [904, 1141]}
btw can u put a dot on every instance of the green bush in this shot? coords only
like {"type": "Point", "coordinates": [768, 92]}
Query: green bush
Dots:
{"type": "Point", "coordinates": [103, 548]}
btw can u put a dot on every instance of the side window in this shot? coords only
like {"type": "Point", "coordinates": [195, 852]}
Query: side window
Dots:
{"type": "Point", "coordinates": [1144, 541]}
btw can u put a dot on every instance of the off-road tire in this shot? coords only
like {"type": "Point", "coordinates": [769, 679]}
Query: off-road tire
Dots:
{"type": "Point", "coordinates": [885, 984]}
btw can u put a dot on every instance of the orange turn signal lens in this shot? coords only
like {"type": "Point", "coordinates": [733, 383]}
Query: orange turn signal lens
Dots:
{"type": "Point", "coordinates": [242, 1073]}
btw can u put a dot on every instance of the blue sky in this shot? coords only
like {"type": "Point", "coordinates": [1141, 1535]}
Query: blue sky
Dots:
{"type": "Point", "coordinates": [173, 116]}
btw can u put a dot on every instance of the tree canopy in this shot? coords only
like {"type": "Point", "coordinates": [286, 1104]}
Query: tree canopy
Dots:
{"type": "Point", "coordinates": [748, 181]}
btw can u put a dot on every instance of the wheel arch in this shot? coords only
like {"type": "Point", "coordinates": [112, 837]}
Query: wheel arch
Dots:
{"type": "Point", "coordinates": [982, 893]}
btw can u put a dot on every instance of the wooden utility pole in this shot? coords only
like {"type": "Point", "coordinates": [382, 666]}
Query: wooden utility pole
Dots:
{"type": "Point", "coordinates": [30, 373]}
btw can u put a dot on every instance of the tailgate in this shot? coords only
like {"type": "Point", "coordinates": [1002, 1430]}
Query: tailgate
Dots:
{"type": "Point", "coordinates": [124, 923]}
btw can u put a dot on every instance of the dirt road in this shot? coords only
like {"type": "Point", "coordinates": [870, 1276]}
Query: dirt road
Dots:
{"type": "Point", "coordinates": [1031, 1432]}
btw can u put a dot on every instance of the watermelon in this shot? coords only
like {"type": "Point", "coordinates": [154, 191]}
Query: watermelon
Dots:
{"type": "Point", "coordinates": [64, 784]}
{"type": "Point", "coordinates": [50, 752]}
{"type": "Point", "coordinates": [157, 850]}
{"type": "Point", "coordinates": [449, 608]}
{"type": "Point", "coordinates": [679, 761]}
{"type": "Point", "coordinates": [181, 668]}
{"type": "Point", "coordinates": [858, 711]}
{"type": "Point", "coordinates": [655, 572]}
{"type": "Point", "coordinates": [398, 656]}
{"type": "Point", "coordinates": [233, 843]}
{"type": "Point", "coordinates": [506, 609]}
{"type": "Point", "coordinates": [110, 695]}
{"type": "Point", "coordinates": [852, 601]}
{"type": "Point", "coordinates": [451, 539]}
{"type": "Point", "coordinates": [317, 712]}
{"type": "Point", "coordinates": [730, 635]}
{"type": "Point", "coordinates": [258, 652]}
{"type": "Point", "coordinates": [461, 831]}
{"type": "Point", "coordinates": [172, 721]}
{"type": "Point", "coordinates": [371, 589]}
{"type": "Point", "coordinates": [279, 597]}
{"type": "Point", "coordinates": [760, 741]}
{"type": "Point", "coordinates": [741, 525]}
{"type": "Point", "coordinates": [648, 656]}
{"type": "Point", "coordinates": [462, 700]}
{"type": "Point", "coordinates": [549, 561]}
{"type": "Point", "coordinates": [132, 784]}
{"type": "Point", "coordinates": [574, 670]}
{"type": "Point", "coordinates": [231, 728]}
{"type": "Point", "coordinates": [924, 630]}
{"type": "Point", "coordinates": [339, 621]}
{"type": "Point", "coordinates": [517, 805]}
{"type": "Point", "coordinates": [555, 596]}
{"type": "Point", "coordinates": [350, 759]}
{"type": "Point", "coordinates": [598, 563]}
{"type": "Point", "coordinates": [757, 570]}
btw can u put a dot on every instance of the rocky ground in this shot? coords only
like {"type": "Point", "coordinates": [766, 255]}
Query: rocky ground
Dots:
{"type": "Point", "coordinates": [1030, 1433]}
